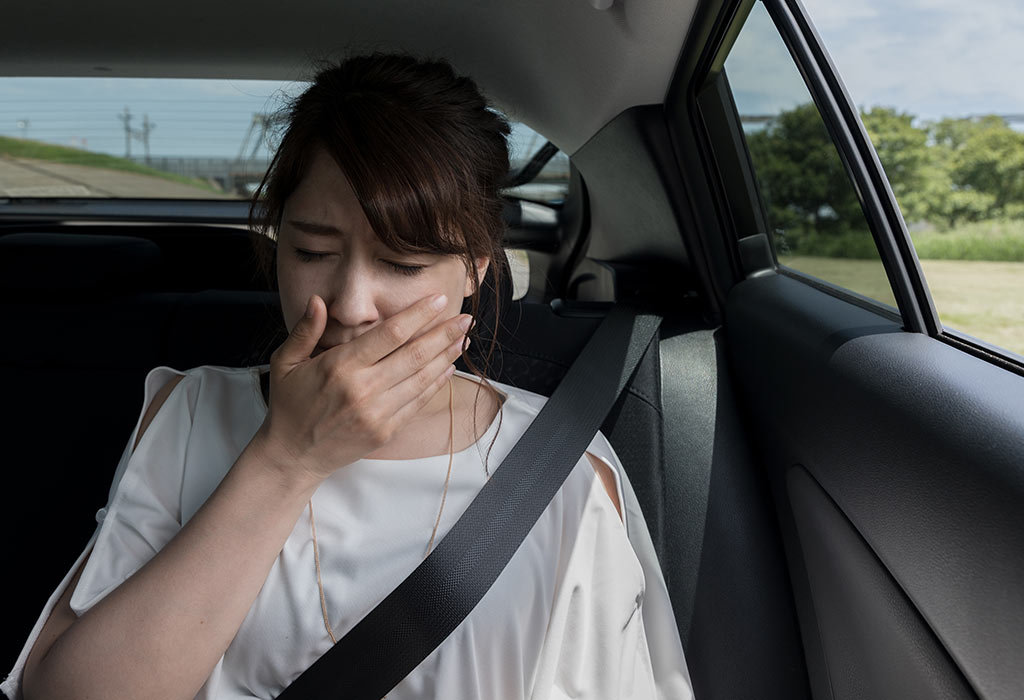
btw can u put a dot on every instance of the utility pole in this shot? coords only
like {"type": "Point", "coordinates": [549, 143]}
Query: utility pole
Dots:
{"type": "Point", "coordinates": [126, 119]}
{"type": "Point", "coordinates": [143, 134]}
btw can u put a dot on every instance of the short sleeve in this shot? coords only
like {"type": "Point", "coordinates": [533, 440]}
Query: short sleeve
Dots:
{"type": "Point", "coordinates": [143, 511]}
{"type": "Point", "coordinates": [662, 643]}
{"type": "Point", "coordinates": [131, 469]}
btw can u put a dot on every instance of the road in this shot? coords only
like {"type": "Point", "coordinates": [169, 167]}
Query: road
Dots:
{"type": "Point", "coordinates": [23, 177]}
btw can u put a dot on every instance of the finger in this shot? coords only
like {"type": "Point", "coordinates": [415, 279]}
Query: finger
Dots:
{"type": "Point", "coordinates": [301, 342]}
{"type": "Point", "coordinates": [416, 389]}
{"type": "Point", "coordinates": [385, 338]}
{"type": "Point", "coordinates": [416, 354]}
{"type": "Point", "coordinates": [413, 394]}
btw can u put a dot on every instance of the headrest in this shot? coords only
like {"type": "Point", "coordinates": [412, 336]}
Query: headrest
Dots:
{"type": "Point", "coordinates": [70, 262]}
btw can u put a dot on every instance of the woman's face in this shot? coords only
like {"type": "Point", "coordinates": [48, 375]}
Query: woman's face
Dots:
{"type": "Point", "coordinates": [326, 247]}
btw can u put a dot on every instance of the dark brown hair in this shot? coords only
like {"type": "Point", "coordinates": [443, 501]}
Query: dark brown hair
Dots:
{"type": "Point", "coordinates": [424, 153]}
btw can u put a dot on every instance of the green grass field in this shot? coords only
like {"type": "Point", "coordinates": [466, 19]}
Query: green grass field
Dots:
{"type": "Point", "coordinates": [996, 240]}
{"type": "Point", "coordinates": [22, 148]}
{"type": "Point", "coordinates": [982, 298]}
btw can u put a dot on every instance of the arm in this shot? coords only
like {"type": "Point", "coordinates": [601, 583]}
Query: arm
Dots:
{"type": "Point", "coordinates": [63, 616]}
{"type": "Point", "coordinates": [160, 633]}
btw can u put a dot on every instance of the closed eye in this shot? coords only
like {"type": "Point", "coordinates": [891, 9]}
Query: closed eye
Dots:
{"type": "Point", "coordinates": [309, 256]}
{"type": "Point", "coordinates": [404, 269]}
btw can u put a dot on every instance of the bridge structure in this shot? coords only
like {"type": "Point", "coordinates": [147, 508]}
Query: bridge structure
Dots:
{"type": "Point", "coordinates": [240, 176]}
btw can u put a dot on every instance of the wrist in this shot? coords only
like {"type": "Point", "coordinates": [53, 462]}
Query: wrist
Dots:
{"type": "Point", "coordinates": [284, 469]}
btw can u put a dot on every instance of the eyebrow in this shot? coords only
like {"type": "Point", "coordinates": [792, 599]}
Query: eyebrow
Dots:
{"type": "Point", "coordinates": [315, 229]}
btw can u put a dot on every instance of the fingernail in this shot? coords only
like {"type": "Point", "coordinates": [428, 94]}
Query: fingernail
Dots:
{"type": "Point", "coordinates": [309, 308]}
{"type": "Point", "coordinates": [438, 302]}
{"type": "Point", "coordinates": [464, 323]}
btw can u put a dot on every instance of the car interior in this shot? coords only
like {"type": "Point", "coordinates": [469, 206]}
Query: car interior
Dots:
{"type": "Point", "coordinates": [834, 487]}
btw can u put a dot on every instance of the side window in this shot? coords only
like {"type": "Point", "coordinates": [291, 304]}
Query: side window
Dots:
{"type": "Point", "coordinates": [948, 126]}
{"type": "Point", "coordinates": [813, 215]}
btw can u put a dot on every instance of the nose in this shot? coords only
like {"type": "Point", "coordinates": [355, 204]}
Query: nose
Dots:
{"type": "Point", "coordinates": [352, 300]}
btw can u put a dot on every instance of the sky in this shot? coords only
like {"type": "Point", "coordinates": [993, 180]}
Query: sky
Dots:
{"type": "Point", "coordinates": [930, 58]}
{"type": "Point", "coordinates": [203, 118]}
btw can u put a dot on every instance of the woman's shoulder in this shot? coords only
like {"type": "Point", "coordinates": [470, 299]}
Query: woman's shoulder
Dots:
{"type": "Point", "coordinates": [529, 405]}
{"type": "Point", "coordinates": [530, 402]}
{"type": "Point", "coordinates": [175, 395]}
{"type": "Point", "coordinates": [160, 378]}
{"type": "Point", "coordinates": [522, 407]}
{"type": "Point", "coordinates": [162, 381]}
{"type": "Point", "coordinates": [166, 372]}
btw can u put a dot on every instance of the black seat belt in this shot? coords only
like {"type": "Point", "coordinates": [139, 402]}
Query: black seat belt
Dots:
{"type": "Point", "coordinates": [416, 617]}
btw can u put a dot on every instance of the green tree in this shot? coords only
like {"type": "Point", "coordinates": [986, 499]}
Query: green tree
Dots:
{"type": "Point", "coordinates": [917, 176]}
{"type": "Point", "coordinates": [984, 159]}
{"type": "Point", "coordinates": [805, 187]}
{"type": "Point", "coordinates": [946, 173]}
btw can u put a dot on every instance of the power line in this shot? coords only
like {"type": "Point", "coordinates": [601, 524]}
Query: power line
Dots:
{"type": "Point", "coordinates": [126, 119]}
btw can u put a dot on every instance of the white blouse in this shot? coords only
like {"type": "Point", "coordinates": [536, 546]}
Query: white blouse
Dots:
{"type": "Point", "coordinates": [561, 620]}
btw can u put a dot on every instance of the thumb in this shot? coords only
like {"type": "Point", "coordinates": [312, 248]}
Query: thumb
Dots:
{"type": "Point", "coordinates": [304, 336]}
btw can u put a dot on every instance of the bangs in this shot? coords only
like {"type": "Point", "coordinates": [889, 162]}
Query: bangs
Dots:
{"type": "Point", "coordinates": [411, 184]}
{"type": "Point", "coordinates": [423, 153]}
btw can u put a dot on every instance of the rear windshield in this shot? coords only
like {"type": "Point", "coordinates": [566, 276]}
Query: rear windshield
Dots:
{"type": "Point", "coordinates": [133, 138]}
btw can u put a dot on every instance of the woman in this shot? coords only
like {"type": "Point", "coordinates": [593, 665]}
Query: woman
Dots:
{"type": "Point", "coordinates": [249, 527]}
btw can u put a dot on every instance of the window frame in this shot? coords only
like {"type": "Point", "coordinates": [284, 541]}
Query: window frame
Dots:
{"type": "Point", "coordinates": [727, 158]}
{"type": "Point", "coordinates": [729, 202]}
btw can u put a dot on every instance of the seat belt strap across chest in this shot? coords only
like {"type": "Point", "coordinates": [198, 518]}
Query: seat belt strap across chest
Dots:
{"type": "Point", "coordinates": [416, 617]}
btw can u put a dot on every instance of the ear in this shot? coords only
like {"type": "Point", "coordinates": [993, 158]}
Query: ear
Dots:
{"type": "Point", "coordinates": [480, 267]}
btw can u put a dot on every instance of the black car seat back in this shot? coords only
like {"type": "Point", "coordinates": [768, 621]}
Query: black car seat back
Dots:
{"type": "Point", "coordinates": [82, 342]}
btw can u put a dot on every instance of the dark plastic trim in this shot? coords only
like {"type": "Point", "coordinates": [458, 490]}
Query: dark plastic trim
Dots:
{"type": "Point", "coordinates": [712, 255]}
{"type": "Point", "coordinates": [866, 303]}
{"type": "Point", "coordinates": [843, 122]}
{"type": "Point", "coordinates": [160, 210]}
{"type": "Point", "coordinates": [1007, 359]}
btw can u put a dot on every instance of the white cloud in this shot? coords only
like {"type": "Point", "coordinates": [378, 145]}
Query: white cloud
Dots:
{"type": "Point", "coordinates": [762, 76]}
{"type": "Point", "coordinates": [931, 58]}
{"type": "Point", "coordinates": [828, 14]}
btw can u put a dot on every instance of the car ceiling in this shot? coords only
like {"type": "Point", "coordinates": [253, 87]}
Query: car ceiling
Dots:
{"type": "Point", "coordinates": [563, 67]}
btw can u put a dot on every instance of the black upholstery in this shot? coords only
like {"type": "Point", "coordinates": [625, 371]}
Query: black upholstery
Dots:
{"type": "Point", "coordinates": [87, 317]}
{"type": "Point", "coordinates": [678, 432]}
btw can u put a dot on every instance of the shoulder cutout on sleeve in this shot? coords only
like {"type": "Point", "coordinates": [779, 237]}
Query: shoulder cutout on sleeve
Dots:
{"type": "Point", "coordinates": [154, 406]}
{"type": "Point", "coordinates": [607, 479]}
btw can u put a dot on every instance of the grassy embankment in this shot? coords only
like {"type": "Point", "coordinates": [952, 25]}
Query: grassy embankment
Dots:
{"type": "Point", "coordinates": [23, 148]}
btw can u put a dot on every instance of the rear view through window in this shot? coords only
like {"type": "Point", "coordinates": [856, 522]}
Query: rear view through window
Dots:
{"type": "Point", "coordinates": [939, 93]}
{"type": "Point", "coordinates": [136, 138]}
{"type": "Point", "coordinates": [167, 139]}
{"type": "Point", "coordinates": [814, 216]}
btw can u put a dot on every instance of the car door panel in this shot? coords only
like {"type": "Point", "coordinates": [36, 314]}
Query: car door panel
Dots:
{"type": "Point", "coordinates": [876, 643]}
{"type": "Point", "coordinates": [896, 462]}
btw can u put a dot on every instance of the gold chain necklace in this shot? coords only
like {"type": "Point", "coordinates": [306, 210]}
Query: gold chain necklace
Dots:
{"type": "Point", "coordinates": [444, 496]}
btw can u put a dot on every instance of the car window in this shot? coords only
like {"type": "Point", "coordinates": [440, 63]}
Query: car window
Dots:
{"type": "Point", "coordinates": [169, 139]}
{"type": "Point", "coordinates": [814, 217]}
{"type": "Point", "coordinates": [136, 138]}
{"type": "Point", "coordinates": [178, 139]}
{"type": "Point", "coordinates": [948, 126]}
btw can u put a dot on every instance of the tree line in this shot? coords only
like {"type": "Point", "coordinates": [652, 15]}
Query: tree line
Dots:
{"type": "Point", "coordinates": [944, 173]}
